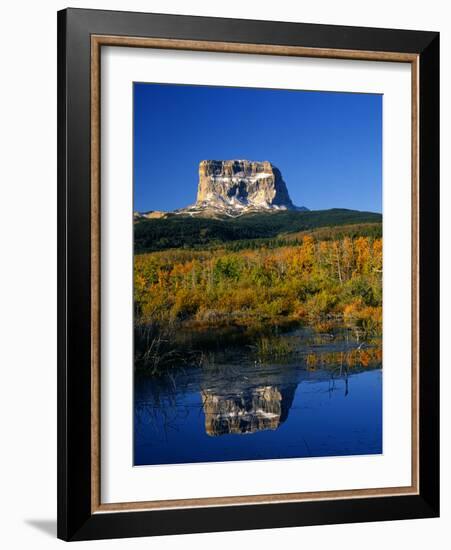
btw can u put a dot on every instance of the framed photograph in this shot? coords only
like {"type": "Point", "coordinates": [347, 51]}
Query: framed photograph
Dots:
{"type": "Point", "coordinates": [248, 274]}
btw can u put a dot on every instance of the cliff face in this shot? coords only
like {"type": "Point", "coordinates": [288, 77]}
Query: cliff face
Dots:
{"type": "Point", "coordinates": [236, 187]}
{"type": "Point", "coordinates": [242, 183]}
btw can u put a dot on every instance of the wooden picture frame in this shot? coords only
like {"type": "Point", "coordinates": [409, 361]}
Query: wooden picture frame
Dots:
{"type": "Point", "coordinates": [81, 35]}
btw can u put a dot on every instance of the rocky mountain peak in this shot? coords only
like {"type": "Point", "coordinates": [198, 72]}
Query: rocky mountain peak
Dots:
{"type": "Point", "coordinates": [231, 188]}
{"type": "Point", "coordinates": [241, 185]}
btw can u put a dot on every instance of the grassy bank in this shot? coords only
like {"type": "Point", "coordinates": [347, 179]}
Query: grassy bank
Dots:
{"type": "Point", "coordinates": [158, 349]}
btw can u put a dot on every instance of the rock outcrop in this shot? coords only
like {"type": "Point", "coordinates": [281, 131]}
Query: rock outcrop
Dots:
{"type": "Point", "coordinates": [236, 187]}
{"type": "Point", "coordinates": [242, 183]}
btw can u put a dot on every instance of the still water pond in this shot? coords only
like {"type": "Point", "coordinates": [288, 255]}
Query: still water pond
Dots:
{"type": "Point", "coordinates": [324, 398]}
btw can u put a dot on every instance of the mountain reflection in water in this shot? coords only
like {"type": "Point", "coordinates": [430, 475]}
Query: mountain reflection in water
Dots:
{"type": "Point", "coordinates": [246, 412]}
{"type": "Point", "coordinates": [326, 401]}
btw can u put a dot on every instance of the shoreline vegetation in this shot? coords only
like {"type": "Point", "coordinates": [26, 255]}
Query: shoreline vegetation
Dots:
{"type": "Point", "coordinates": [258, 290]}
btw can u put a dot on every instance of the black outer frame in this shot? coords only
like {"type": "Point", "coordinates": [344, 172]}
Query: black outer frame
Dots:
{"type": "Point", "coordinates": [75, 520]}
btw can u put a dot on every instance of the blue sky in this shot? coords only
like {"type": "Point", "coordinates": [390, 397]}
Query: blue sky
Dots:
{"type": "Point", "coordinates": [327, 145]}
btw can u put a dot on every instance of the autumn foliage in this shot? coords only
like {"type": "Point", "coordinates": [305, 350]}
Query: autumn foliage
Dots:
{"type": "Point", "coordinates": [307, 281]}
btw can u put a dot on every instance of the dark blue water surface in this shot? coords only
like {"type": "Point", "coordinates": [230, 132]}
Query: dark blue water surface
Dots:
{"type": "Point", "coordinates": [326, 401]}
